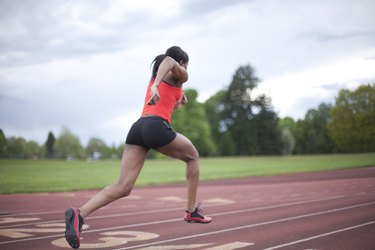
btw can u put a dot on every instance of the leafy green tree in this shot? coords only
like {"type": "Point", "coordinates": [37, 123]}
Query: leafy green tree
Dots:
{"type": "Point", "coordinates": [312, 134]}
{"type": "Point", "coordinates": [268, 133]}
{"type": "Point", "coordinates": [33, 150]}
{"type": "Point", "coordinates": [247, 125]}
{"type": "Point", "coordinates": [68, 145]}
{"type": "Point", "coordinates": [19, 148]}
{"type": "Point", "coordinates": [288, 122]}
{"type": "Point", "coordinates": [352, 124]}
{"type": "Point", "coordinates": [288, 141]}
{"type": "Point", "coordinates": [16, 148]}
{"type": "Point", "coordinates": [238, 111]}
{"type": "Point", "coordinates": [191, 121]}
{"type": "Point", "coordinates": [214, 107]}
{"type": "Point", "coordinates": [97, 145]}
{"type": "Point", "coordinates": [49, 151]}
{"type": "Point", "coordinates": [251, 121]}
{"type": "Point", "coordinates": [287, 126]}
{"type": "Point", "coordinates": [226, 144]}
{"type": "Point", "coordinates": [3, 145]}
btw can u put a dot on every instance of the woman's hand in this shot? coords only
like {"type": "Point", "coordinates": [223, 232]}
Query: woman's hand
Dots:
{"type": "Point", "coordinates": [184, 99]}
{"type": "Point", "coordinates": [181, 102]}
{"type": "Point", "coordinates": [154, 95]}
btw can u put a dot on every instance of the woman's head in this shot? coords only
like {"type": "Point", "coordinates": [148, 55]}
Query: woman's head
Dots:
{"type": "Point", "coordinates": [177, 54]}
{"type": "Point", "coordinates": [174, 52]}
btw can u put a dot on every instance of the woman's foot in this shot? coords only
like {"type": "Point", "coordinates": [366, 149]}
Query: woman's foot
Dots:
{"type": "Point", "coordinates": [196, 216]}
{"type": "Point", "coordinates": [73, 222]}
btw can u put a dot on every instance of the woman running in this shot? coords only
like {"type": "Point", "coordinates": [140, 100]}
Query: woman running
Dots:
{"type": "Point", "coordinates": [151, 131]}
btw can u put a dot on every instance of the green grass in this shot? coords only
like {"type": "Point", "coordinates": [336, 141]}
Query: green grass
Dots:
{"type": "Point", "coordinates": [26, 176]}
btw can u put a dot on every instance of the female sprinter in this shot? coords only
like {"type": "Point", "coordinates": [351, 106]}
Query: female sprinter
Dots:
{"type": "Point", "coordinates": [151, 131]}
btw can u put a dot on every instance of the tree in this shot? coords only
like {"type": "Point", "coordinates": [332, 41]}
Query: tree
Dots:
{"type": "Point", "coordinates": [191, 121]}
{"type": "Point", "coordinates": [32, 150]}
{"type": "Point", "coordinates": [3, 145]}
{"type": "Point", "coordinates": [240, 123]}
{"type": "Point", "coordinates": [352, 124]}
{"type": "Point", "coordinates": [287, 126]}
{"type": "Point", "coordinates": [250, 120]}
{"type": "Point", "coordinates": [226, 145]}
{"type": "Point", "coordinates": [68, 146]}
{"type": "Point", "coordinates": [49, 146]}
{"type": "Point", "coordinates": [267, 131]}
{"type": "Point", "coordinates": [214, 107]}
{"type": "Point", "coordinates": [238, 110]}
{"type": "Point", "coordinates": [97, 146]}
{"type": "Point", "coordinates": [312, 134]}
{"type": "Point", "coordinates": [16, 147]}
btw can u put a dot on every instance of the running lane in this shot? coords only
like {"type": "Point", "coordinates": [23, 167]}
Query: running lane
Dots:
{"type": "Point", "coordinates": [325, 210]}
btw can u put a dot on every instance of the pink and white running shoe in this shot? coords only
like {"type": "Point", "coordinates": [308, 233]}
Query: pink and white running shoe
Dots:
{"type": "Point", "coordinates": [73, 222]}
{"type": "Point", "coordinates": [196, 216]}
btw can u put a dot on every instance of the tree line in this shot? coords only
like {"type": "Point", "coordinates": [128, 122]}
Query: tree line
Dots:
{"type": "Point", "coordinates": [234, 122]}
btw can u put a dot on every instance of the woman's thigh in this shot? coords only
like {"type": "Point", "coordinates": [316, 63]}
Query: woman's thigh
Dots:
{"type": "Point", "coordinates": [132, 162]}
{"type": "Point", "coordinates": [181, 148]}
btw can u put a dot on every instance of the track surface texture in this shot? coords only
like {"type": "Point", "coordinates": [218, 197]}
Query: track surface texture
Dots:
{"type": "Point", "coordinates": [323, 210]}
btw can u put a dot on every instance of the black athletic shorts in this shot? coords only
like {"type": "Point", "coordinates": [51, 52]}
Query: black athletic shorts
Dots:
{"type": "Point", "coordinates": [151, 132]}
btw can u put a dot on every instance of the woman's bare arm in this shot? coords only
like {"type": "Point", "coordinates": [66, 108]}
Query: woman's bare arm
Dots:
{"type": "Point", "coordinates": [166, 66]}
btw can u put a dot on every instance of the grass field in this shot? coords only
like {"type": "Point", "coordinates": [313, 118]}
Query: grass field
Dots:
{"type": "Point", "coordinates": [26, 176]}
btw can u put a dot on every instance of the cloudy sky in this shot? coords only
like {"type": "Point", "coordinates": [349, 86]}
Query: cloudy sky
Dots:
{"type": "Point", "coordinates": [85, 64]}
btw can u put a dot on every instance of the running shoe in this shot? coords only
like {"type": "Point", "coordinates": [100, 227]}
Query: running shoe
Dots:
{"type": "Point", "coordinates": [196, 216]}
{"type": "Point", "coordinates": [74, 223]}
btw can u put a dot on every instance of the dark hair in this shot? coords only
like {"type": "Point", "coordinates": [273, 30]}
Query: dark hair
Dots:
{"type": "Point", "coordinates": [175, 52]}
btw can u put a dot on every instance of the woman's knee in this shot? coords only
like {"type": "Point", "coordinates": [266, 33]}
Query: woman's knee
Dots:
{"type": "Point", "coordinates": [119, 190]}
{"type": "Point", "coordinates": [191, 154]}
{"type": "Point", "coordinates": [192, 164]}
{"type": "Point", "coordinates": [126, 189]}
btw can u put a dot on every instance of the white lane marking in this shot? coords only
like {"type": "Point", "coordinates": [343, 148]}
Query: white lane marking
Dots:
{"type": "Point", "coordinates": [231, 246]}
{"type": "Point", "coordinates": [171, 198]}
{"type": "Point", "coordinates": [220, 201]}
{"type": "Point", "coordinates": [175, 247]}
{"type": "Point", "coordinates": [172, 209]}
{"type": "Point", "coordinates": [34, 213]}
{"type": "Point", "coordinates": [275, 206]}
{"type": "Point", "coordinates": [16, 220]}
{"type": "Point", "coordinates": [320, 235]}
{"type": "Point", "coordinates": [249, 226]}
{"type": "Point", "coordinates": [100, 216]}
{"type": "Point", "coordinates": [217, 214]}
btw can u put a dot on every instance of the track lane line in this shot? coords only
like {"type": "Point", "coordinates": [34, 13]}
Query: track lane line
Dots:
{"type": "Point", "coordinates": [162, 210]}
{"type": "Point", "coordinates": [249, 226]}
{"type": "Point", "coordinates": [217, 214]}
{"type": "Point", "coordinates": [320, 235]}
{"type": "Point", "coordinates": [167, 210]}
{"type": "Point", "coordinates": [97, 217]}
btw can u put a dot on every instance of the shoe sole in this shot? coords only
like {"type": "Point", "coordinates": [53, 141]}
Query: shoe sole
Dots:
{"type": "Point", "coordinates": [72, 234]}
{"type": "Point", "coordinates": [197, 221]}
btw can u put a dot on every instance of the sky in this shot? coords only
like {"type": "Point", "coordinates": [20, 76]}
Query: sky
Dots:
{"type": "Point", "coordinates": [85, 64]}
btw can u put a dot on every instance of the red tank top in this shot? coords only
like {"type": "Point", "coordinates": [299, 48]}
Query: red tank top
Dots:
{"type": "Point", "coordinates": [169, 95]}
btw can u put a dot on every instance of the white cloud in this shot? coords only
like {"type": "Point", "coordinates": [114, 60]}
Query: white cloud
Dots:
{"type": "Point", "coordinates": [294, 93]}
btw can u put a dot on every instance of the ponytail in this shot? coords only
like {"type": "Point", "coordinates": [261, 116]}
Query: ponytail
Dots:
{"type": "Point", "coordinates": [157, 61]}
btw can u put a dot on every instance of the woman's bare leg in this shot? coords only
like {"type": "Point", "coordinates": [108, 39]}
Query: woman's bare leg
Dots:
{"type": "Point", "coordinates": [131, 165]}
{"type": "Point", "coordinates": [182, 148]}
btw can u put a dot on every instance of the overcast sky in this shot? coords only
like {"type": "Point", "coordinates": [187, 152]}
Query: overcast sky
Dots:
{"type": "Point", "coordinates": [85, 65]}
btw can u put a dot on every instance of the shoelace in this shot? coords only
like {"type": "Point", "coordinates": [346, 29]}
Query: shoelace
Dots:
{"type": "Point", "coordinates": [198, 209]}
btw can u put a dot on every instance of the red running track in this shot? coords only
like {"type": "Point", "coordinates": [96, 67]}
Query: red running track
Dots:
{"type": "Point", "coordinates": [325, 210]}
